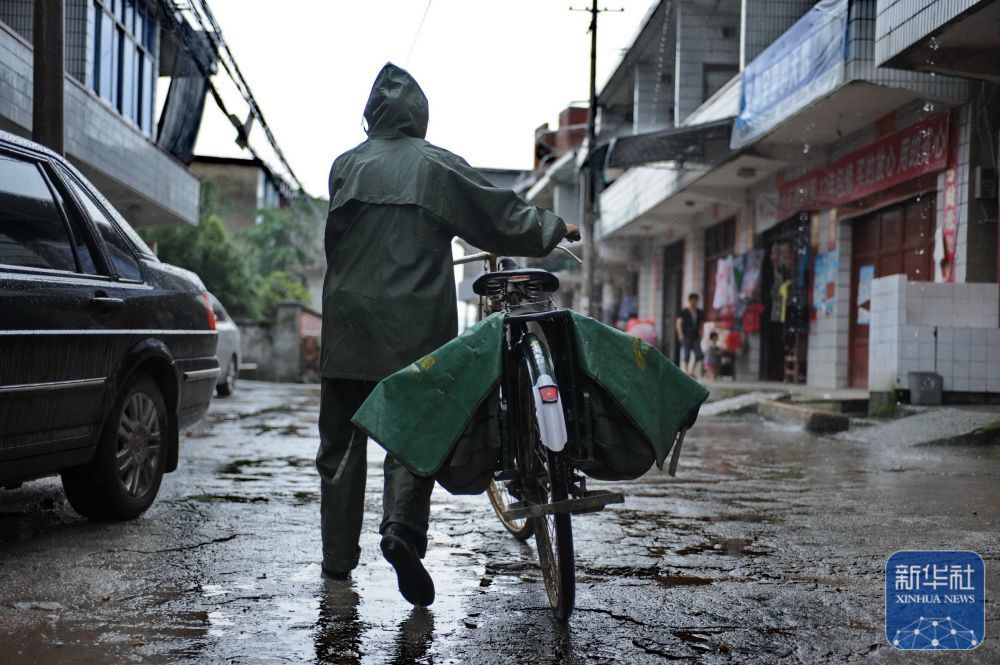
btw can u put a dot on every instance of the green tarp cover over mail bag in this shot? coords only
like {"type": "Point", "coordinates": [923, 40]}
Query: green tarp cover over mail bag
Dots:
{"type": "Point", "coordinates": [439, 416]}
{"type": "Point", "coordinates": [653, 392]}
{"type": "Point", "coordinates": [419, 413]}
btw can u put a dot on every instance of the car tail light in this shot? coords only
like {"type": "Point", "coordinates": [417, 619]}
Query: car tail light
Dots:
{"type": "Point", "coordinates": [549, 394]}
{"type": "Point", "coordinates": [208, 310]}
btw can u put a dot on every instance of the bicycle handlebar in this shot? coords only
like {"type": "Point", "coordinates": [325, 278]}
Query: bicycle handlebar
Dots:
{"type": "Point", "coordinates": [485, 256]}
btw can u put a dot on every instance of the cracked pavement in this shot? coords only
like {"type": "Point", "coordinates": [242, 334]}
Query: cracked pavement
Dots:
{"type": "Point", "coordinates": [769, 546]}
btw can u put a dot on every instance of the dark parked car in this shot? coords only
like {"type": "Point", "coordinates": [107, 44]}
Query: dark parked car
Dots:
{"type": "Point", "coordinates": [106, 353]}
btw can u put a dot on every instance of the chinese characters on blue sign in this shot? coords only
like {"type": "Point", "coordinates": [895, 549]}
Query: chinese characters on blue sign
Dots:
{"type": "Point", "coordinates": [804, 64]}
{"type": "Point", "coordinates": [935, 599]}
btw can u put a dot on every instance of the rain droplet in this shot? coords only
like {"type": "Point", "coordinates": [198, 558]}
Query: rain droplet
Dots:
{"type": "Point", "coordinates": [805, 148]}
{"type": "Point", "coordinates": [928, 107]}
{"type": "Point", "coordinates": [934, 44]}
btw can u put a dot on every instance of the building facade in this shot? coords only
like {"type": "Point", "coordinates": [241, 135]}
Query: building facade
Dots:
{"type": "Point", "coordinates": [115, 50]}
{"type": "Point", "coordinates": [243, 188]}
{"type": "Point", "coordinates": [823, 174]}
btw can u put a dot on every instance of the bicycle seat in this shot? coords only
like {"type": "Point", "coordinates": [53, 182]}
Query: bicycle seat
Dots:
{"type": "Point", "coordinates": [533, 278]}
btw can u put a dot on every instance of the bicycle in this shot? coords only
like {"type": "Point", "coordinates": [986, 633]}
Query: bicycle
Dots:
{"type": "Point", "coordinates": [537, 489]}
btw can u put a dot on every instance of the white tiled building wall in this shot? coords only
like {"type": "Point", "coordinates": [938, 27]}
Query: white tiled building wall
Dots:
{"type": "Point", "coordinates": [861, 60]}
{"type": "Point", "coordinates": [97, 136]}
{"type": "Point", "coordinates": [700, 42]}
{"type": "Point", "coordinates": [906, 316]}
{"type": "Point", "coordinates": [19, 16]}
{"type": "Point", "coordinates": [638, 191]}
{"type": "Point", "coordinates": [829, 336]}
{"type": "Point", "coordinates": [901, 23]}
{"type": "Point", "coordinates": [766, 20]}
{"type": "Point", "coordinates": [15, 81]}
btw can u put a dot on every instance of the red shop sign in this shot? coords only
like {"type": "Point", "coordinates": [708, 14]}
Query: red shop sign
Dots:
{"type": "Point", "coordinates": [893, 159]}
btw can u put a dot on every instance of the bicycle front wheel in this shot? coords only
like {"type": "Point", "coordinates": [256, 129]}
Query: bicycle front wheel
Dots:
{"type": "Point", "coordinates": [544, 480]}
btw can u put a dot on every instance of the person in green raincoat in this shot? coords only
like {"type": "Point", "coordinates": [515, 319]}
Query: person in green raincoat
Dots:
{"type": "Point", "coordinates": [389, 298]}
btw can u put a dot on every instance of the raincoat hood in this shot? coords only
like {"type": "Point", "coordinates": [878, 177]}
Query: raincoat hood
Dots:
{"type": "Point", "coordinates": [397, 106]}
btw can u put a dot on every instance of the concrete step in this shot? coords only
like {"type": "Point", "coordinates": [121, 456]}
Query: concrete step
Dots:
{"type": "Point", "coordinates": [814, 420]}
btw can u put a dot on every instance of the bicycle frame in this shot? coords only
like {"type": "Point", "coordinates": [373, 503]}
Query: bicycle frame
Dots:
{"type": "Point", "coordinates": [524, 344]}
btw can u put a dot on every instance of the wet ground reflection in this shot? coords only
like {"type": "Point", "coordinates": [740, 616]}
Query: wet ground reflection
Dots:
{"type": "Point", "coordinates": [769, 545]}
{"type": "Point", "coordinates": [339, 633]}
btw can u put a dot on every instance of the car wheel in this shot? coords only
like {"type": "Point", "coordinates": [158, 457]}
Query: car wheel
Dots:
{"type": "Point", "coordinates": [122, 480]}
{"type": "Point", "coordinates": [228, 385]}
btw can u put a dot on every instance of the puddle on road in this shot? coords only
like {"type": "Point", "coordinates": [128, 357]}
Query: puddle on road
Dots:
{"type": "Point", "coordinates": [749, 518]}
{"type": "Point", "coordinates": [650, 572]}
{"type": "Point", "coordinates": [289, 429]}
{"type": "Point", "coordinates": [225, 498]}
{"type": "Point", "coordinates": [727, 547]}
{"type": "Point", "coordinates": [681, 580]}
{"type": "Point", "coordinates": [305, 497]}
{"type": "Point", "coordinates": [238, 466]}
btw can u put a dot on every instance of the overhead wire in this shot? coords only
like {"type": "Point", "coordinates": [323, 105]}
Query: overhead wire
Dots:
{"type": "Point", "coordinates": [205, 19]}
{"type": "Point", "coordinates": [416, 35]}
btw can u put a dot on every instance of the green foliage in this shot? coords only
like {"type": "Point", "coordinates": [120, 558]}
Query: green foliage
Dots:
{"type": "Point", "coordinates": [207, 250]}
{"type": "Point", "coordinates": [285, 239]}
{"type": "Point", "coordinates": [884, 405]}
{"type": "Point", "coordinates": [261, 266]}
{"type": "Point", "coordinates": [278, 287]}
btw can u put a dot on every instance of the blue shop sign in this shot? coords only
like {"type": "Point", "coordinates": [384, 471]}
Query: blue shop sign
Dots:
{"type": "Point", "coordinates": [801, 66]}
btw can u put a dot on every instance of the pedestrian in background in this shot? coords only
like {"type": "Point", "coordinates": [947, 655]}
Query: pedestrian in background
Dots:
{"type": "Point", "coordinates": [689, 326]}
{"type": "Point", "coordinates": [389, 298]}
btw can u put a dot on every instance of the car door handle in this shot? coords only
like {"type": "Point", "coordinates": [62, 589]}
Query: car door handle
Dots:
{"type": "Point", "coordinates": [105, 301]}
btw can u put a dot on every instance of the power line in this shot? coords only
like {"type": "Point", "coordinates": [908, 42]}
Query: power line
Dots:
{"type": "Point", "coordinates": [210, 27]}
{"type": "Point", "coordinates": [417, 35]}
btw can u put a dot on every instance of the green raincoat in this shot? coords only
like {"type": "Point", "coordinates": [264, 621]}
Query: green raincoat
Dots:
{"type": "Point", "coordinates": [396, 203]}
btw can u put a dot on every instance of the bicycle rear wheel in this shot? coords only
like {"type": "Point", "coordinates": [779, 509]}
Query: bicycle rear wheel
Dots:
{"type": "Point", "coordinates": [545, 479]}
{"type": "Point", "coordinates": [500, 499]}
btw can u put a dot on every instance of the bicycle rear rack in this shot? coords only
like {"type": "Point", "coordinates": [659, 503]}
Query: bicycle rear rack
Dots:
{"type": "Point", "coordinates": [591, 502]}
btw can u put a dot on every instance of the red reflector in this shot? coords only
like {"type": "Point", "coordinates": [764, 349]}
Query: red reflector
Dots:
{"type": "Point", "coordinates": [519, 278]}
{"type": "Point", "coordinates": [208, 310]}
{"type": "Point", "coordinates": [549, 394]}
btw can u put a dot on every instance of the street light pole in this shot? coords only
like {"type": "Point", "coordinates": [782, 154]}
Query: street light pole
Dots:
{"type": "Point", "coordinates": [49, 74]}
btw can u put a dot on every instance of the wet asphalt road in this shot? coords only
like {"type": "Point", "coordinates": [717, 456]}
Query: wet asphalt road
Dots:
{"type": "Point", "coordinates": [768, 547]}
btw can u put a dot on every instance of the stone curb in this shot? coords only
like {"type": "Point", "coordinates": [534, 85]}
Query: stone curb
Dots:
{"type": "Point", "coordinates": [814, 420]}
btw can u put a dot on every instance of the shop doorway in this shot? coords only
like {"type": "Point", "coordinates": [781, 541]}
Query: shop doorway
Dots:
{"type": "Point", "coordinates": [891, 241]}
{"type": "Point", "coordinates": [784, 323]}
{"type": "Point", "coordinates": [673, 283]}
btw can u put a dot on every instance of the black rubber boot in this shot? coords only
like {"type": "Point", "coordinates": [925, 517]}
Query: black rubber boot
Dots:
{"type": "Point", "coordinates": [336, 574]}
{"type": "Point", "coordinates": [401, 549]}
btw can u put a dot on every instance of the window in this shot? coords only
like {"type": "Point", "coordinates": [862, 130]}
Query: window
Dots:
{"type": "Point", "coordinates": [714, 76]}
{"type": "Point", "coordinates": [121, 254]}
{"type": "Point", "coordinates": [124, 63]}
{"type": "Point", "coordinates": [32, 231]}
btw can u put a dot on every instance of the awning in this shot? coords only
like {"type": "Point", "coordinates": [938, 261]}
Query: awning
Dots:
{"type": "Point", "coordinates": [679, 144]}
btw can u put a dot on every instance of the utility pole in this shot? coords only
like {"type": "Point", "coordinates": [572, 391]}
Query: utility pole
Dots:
{"type": "Point", "coordinates": [591, 300]}
{"type": "Point", "coordinates": [49, 74]}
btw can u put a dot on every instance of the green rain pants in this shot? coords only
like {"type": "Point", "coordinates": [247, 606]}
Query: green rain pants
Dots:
{"type": "Point", "coordinates": [342, 465]}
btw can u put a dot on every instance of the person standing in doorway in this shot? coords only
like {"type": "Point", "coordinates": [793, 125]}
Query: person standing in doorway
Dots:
{"type": "Point", "coordinates": [389, 298]}
{"type": "Point", "coordinates": [689, 328]}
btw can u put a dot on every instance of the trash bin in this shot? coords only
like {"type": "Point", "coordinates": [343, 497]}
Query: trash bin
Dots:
{"type": "Point", "coordinates": [925, 388]}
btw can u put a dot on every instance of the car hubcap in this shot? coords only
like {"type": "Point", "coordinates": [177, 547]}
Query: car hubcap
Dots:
{"type": "Point", "coordinates": [231, 376]}
{"type": "Point", "coordinates": [137, 454]}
